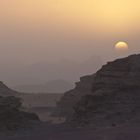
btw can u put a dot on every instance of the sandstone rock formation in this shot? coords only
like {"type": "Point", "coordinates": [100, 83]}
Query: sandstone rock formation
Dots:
{"type": "Point", "coordinates": [12, 115]}
{"type": "Point", "coordinates": [111, 96]}
{"type": "Point", "coordinates": [70, 98]}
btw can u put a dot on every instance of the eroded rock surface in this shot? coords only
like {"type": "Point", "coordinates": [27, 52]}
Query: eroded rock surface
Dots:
{"type": "Point", "coordinates": [109, 97]}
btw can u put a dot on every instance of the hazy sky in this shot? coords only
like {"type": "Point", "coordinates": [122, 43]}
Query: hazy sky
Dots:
{"type": "Point", "coordinates": [47, 30]}
{"type": "Point", "coordinates": [34, 30]}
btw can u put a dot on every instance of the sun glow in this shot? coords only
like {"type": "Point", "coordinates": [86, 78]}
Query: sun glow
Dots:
{"type": "Point", "coordinates": [121, 46]}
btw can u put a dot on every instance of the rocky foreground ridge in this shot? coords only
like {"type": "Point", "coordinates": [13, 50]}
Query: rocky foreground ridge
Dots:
{"type": "Point", "coordinates": [109, 97]}
{"type": "Point", "coordinates": [12, 114]}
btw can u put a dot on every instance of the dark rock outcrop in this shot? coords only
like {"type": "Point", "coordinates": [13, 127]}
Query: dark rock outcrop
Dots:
{"type": "Point", "coordinates": [70, 98]}
{"type": "Point", "coordinates": [112, 96]}
{"type": "Point", "coordinates": [12, 116]}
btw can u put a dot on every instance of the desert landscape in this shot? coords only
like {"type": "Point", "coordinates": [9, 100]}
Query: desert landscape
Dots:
{"type": "Point", "coordinates": [69, 70]}
{"type": "Point", "coordinates": [103, 106]}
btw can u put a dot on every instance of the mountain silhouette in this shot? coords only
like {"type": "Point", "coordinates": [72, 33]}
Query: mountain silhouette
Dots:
{"type": "Point", "coordinates": [15, 74]}
{"type": "Point", "coordinates": [109, 97]}
{"type": "Point", "coordinates": [55, 86]}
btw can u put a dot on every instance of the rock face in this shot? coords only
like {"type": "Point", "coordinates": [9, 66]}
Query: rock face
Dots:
{"type": "Point", "coordinates": [70, 98]}
{"type": "Point", "coordinates": [12, 115]}
{"type": "Point", "coordinates": [111, 97]}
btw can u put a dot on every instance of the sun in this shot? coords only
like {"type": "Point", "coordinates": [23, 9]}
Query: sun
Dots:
{"type": "Point", "coordinates": [122, 46]}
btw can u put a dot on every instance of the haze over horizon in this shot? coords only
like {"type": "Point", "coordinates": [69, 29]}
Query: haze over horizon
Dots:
{"type": "Point", "coordinates": [18, 74]}
{"type": "Point", "coordinates": [47, 31]}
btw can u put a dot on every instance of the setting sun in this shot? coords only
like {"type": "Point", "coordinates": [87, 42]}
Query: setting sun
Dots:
{"type": "Point", "coordinates": [71, 68]}
{"type": "Point", "coordinates": [121, 46]}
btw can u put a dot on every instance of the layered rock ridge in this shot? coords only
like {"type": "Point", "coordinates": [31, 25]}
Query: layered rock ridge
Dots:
{"type": "Point", "coordinates": [112, 96]}
{"type": "Point", "coordinates": [12, 114]}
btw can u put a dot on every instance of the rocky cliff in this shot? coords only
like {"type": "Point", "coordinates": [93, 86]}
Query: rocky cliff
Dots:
{"type": "Point", "coordinates": [111, 96]}
{"type": "Point", "coordinates": [70, 98]}
{"type": "Point", "coordinates": [12, 115]}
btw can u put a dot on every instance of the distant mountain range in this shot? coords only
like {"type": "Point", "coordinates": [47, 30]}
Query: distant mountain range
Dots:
{"type": "Point", "coordinates": [16, 73]}
{"type": "Point", "coordinates": [55, 86]}
{"type": "Point", "coordinates": [6, 91]}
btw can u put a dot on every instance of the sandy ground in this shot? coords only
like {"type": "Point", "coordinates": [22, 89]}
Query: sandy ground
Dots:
{"type": "Point", "coordinates": [41, 104]}
{"type": "Point", "coordinates": [45, 131]}
{"type": "Point", "coordinates": [60, 132]}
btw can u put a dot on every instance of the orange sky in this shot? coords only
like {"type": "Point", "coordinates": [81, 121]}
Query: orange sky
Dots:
{"type": "Point", "coordinates": [34, 31]}
{"type": "Point", "coordinates": [39, 27]}
{"type": "Point", "coordinates": [85, 14]}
